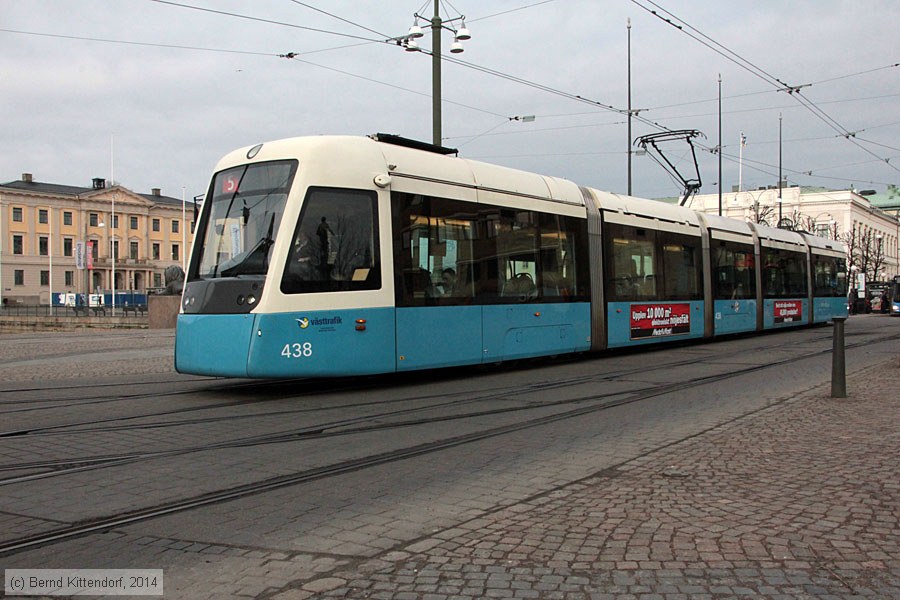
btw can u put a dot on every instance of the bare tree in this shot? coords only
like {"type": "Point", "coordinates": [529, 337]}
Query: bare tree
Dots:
{"type": "Point", "coordinates": [865, 250]}
{"type": "Point", "coordinates": [761, 214]}
{"type": "Point", "coordinates": [806, 223]}
{"type": "Point", "coordinates": [851, 241]}
{"type": "Point", "coordinates": [878, 256]}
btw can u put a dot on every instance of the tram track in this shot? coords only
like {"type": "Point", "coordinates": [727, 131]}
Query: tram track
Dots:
{"type": "Point", "coordinates": [348, 466]}
{"type": "Point", "coordinates": [256, 386]}
{"type": "Point", "coordinates": [65, 466]}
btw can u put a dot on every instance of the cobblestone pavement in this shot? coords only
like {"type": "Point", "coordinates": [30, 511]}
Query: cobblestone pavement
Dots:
{"type": "Point", "coordinates": [801, 500]}
{"type": "Point", "coordinates": [29, 357]}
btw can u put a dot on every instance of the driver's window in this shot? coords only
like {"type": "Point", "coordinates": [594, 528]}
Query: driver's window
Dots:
{"type": "Point", "coordinates": [335, 244]}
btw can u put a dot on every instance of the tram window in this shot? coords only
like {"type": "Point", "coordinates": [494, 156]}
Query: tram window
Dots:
{"type": "Point", "coordinates": [516, 237]}
{"type": "Point", "coordinates": [680, 267]}
{"type": "Point", "coordinates": [829, 276]}
{"type": "Point", "coordinates": [451, 252]}
{"type": "Point", "coordinates": [559, 264]}
{"type": "Point", "coordinates": [734, 276]}
{"type": "Point", "coordinates": [335, 244]}
{"type": "Point", "coordinates": [631, 263]}
{"type": "Point", "coordinates": [784, 273]}
{"type": "Point", "coordinates": [434, 250]}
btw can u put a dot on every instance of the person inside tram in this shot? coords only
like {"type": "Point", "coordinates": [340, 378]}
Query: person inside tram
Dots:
{"type": "Point", "coordinates": [448, 282]}
{"type": "Point", "coordinates": [306, 259]}
{"type": "Point", "coordinates": [323, 231]}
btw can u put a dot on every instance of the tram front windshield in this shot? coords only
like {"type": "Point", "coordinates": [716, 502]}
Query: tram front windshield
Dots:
{"type": "Point", "coordinates": [239, 228]}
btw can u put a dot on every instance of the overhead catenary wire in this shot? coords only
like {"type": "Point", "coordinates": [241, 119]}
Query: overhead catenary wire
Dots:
{"type": "Point", "coordinates": [722, 50]}
{"type": "Point", "coordinates": [365, 40]}
{"type": "Point", "coordinates": [289, 55]}
{"type": "Point", "coordinates": [339, 18]}
{"type": "Point", "coordinates": [465, 64]}
{"type": "Point", "coordinates": [262, 20]}
{"type": "Point", "coordinates": [712, 44]}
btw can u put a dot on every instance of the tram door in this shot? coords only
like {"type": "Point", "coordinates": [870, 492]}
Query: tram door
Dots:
{"type": "Point", "coordinates": [438, 323]}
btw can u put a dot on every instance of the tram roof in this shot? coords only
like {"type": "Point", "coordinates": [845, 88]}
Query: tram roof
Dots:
{"type": "Point", "coordinates": [413, 162]}
{"type": "Point", "coordinates": [648, 209]}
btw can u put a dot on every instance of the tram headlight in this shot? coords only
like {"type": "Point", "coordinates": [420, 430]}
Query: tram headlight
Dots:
{"type": "Point", "coordinates": [251, 299]}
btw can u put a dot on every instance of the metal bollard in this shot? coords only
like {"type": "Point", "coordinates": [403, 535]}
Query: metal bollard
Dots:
{"type": "Point", "coordinates": [838, 366]}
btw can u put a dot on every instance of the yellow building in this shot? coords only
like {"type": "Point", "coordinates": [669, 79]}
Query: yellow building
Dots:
{"type": "Point", "coordinates": [60, 238]}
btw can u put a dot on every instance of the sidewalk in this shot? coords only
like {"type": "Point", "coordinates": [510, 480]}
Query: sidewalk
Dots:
{"type": "Point", "coordinates": [801, 500]}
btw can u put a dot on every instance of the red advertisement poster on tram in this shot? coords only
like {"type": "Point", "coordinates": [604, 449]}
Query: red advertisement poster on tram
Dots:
{"type": "Point", "coordinates": [788, 311]}
{"type": "Point", "coordinates": [659, 320]}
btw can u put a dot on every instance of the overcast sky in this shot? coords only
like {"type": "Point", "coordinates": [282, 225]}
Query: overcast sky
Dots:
{"type": "Point", "coordinates": [154, 93]}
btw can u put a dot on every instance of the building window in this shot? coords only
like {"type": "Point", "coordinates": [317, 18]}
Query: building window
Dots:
{"type": "Point", "coordinates": [133, 250]}
{"type": "Point", "coordinates": [174, 226]}
{"type": "Point", "coordinates": [157, 280]}
{"type": "Point", "coordinates": [155, 224]}
{"type": "Point", "coordinates": [67, 246]}
{"type": "Point", "coordinates": [175, 252]}
{"type": "Point", "coordinates": [19, 277]}
{"type": "Point", "coordinates": [115, 221]}
{"type": "Point", "coordinates": [43, 217]}
{"type": "Point", "coordinates": [70, 278]}
{"type": "Point", "coordinates": [94, 219]}
{"type": "Point", "coordinates": [18, 245]}
{"type": "Point", "coordinates": [45, 277]}
{"type": "Point", "coordinates": [94, 252]}
{"type": "Point", "coordinates": [17, 214]}
{"type": "Point", "coordinates": [133, 222]}
{"type": "Point", "coordinates": [67, 218]}
{"type": "Point", "coordinates": [115, 249]}
{"type": "Point", "coordinates": [155, 251]}
{"type": "Point", "coordinates": [43, 246]}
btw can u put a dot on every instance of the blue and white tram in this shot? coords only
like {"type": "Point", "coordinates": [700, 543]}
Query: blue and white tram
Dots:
{"type": "Point", "coordinates": [329, 256]}
{"type": "Point", "coordinates": [828, 278]}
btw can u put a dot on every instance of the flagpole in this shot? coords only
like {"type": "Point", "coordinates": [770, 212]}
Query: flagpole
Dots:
{"type": "Point", "coordinates": [112, 224]}
{"type": "Point", "coordinates": [183, 234]}
{"type": "Point", "coordinates": [741, 165]}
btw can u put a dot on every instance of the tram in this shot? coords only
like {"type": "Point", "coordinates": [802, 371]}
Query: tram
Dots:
{"type": "Point", "coordinates": [338, 255]}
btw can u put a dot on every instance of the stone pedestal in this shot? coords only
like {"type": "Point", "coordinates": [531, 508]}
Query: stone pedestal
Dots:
{"type": "Point", "coordinates": [162, 311]}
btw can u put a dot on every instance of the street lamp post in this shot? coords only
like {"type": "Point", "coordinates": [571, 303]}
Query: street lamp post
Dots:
{"type": "Point", "coordinates": [436, 76]}
{"type": "Point", "coordinates": [2, 238]}
{"type": "Point", "coordinates": [629, 105]}
{"type": "Point", "coordinates": [183, 234]}
{"type": "Point", "coordinates": [113, 227]}
{"type": "Point", "coordinates": [409, 42]}
{"type": "Point", "coordinates": [719, 147]}
{"type": "Point", "coordinates": [50, 256]}
{"type": "Point", "coordinates": [779, 170]}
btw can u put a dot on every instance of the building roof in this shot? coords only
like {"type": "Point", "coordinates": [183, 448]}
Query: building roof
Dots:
{"type": "Point", "coordinates": [71, 190]}
{"type": "Point", "coordinates": [46, 188]}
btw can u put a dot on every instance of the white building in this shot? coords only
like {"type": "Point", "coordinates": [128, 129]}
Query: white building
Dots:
{"type": "Point", "coordinates": [871, 234]}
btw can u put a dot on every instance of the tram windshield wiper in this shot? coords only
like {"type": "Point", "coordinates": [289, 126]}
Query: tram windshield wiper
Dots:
{"type": "Point", "coordinates": [253, 261]}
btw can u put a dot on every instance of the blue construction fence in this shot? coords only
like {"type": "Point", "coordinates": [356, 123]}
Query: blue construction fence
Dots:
{"type": "Point", "coordinates": [123, 298]}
